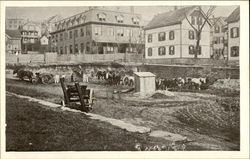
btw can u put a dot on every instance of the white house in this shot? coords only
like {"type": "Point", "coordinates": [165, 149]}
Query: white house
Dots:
{"type": "Point", "coordinates": [169, 35]}
{"type": "Point", "coordinates": [233, 22]}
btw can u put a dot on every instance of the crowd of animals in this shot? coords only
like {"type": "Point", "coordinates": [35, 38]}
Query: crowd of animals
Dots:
{"type": "Point", "coordinates": [117, 77]}
{"type": "Point", "coordinates": [180, 83]}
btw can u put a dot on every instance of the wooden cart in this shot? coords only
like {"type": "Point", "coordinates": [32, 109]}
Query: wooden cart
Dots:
{"type": "Point", "coordinates": [78, 93]}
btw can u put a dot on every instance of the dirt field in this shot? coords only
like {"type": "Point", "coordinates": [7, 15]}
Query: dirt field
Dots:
{"type": "Point", "coordinates": [197, 116]}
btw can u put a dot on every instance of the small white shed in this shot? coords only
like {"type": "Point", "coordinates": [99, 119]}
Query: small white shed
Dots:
{"type": "Point", "coordinates": [144, 82]}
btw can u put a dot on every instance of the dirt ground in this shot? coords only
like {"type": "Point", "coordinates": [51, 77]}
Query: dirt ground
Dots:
{"type": "Point", "coordinates": [167, 114]}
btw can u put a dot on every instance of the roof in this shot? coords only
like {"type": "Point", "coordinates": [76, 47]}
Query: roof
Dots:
{"type": "Point", "coordinates": [234, 16]}
{"type": "Point", "coordinates": [13, 33]}
{"type": "Point", "coordinates": [169, 18]}
{"type": "Point", "coordinates": [144, 74]}
{"type": "Point", "coordinates": [218, 20]}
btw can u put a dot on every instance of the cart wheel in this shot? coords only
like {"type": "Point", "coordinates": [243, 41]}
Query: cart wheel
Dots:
{"type": "Point", "coordinates": [45, 79]}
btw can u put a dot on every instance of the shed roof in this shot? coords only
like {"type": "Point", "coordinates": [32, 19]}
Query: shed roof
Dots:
{"type": "Point", "coordinates": [234, 16]}
{"type": "Point", "coordinates": [144, 74]}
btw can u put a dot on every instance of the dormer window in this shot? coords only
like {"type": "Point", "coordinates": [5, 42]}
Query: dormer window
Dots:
{"type": "Point", "coordinates": [135, 20]}
{"type": "Point", "coordinates": [82, 19]}
{"type": "Point", "coordinates": [119, 18]}
{"type": "Point", "coordinates": [101, 17]}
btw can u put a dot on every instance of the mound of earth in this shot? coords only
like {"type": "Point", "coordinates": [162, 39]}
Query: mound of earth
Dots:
{"type": "Point", "coordinates": [233, 84]}
{"type": "Point", "coordinates": [162, 94]}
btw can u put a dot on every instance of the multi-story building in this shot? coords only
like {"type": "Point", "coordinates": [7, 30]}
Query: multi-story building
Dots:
{"type": "Point", "coordinates": [47, 25]}
{"type": "Point", "coordinates": [170, 35]}
{"type": "Point", "coordinates": [219, 38]}
{"type": "Point", "coordinates": [13, 23]}
{"type": "Point", "coordinates": [97, 31]}
{"type": "Point", "coordinates": [30, 32]}
{"type": "Point", "coordinates": [233, 22]}
{"type": "Point", "coordinates": [13, 41]}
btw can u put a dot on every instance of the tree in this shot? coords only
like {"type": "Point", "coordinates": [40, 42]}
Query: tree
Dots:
{"type": "Point", "coordinates": [199, 27]}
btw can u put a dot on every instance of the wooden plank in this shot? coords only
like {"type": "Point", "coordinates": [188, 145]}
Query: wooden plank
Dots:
{"type": "Point", "coordinates": [80, 95]}
{"type": "Point", "coordinates": [66, 97]}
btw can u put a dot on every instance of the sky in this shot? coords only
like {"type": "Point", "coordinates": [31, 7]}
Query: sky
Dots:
{"type": "Point", "coordinates": [41, 13]}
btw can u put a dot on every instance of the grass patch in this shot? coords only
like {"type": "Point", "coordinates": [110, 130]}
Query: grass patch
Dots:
{"type": "Point", "coordinates": [32, 127]}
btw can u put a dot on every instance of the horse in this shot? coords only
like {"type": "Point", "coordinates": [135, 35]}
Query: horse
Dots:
{"type": "Point", "coordinates": [21, 74]}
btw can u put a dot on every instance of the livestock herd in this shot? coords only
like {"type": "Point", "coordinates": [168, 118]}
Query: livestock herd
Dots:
{"type": "Point", "coordinates": [114, 77]}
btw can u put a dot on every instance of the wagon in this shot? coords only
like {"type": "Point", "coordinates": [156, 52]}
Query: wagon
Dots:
{"type": "Point", "coordinates": [44, 78]}
{"type": "Point", "coordinates": [78, 93]}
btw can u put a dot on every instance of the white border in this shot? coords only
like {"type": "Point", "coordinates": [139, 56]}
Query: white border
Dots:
{"type": "Point", "coordinates": [244, 83]}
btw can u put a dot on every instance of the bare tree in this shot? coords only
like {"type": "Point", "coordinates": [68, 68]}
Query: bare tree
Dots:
{"type": "Point", "coordinates": [199, 27]}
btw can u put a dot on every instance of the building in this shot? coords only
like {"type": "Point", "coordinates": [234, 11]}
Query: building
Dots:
{"type": "Point", "coordinates": [44, 43]}
{"type": "Point", "coordinates": [144, 82]}
{"type": "Point", "coordinates": [47, 25]}
{"type": "Point", "coordinates": [13, 23]}
{"type": "Point", "coordinates": [169, 35]}
{"type": "Point", "coordinates": [13, 41]}
{"type": "Point", "coordinates": [219, 38]}
{"type": "Point", "coordinates": [97, 31]}
{"type": "Point", "coordinates": [30, 32]}
{"type": "Point", "coordinates": [233, 22]}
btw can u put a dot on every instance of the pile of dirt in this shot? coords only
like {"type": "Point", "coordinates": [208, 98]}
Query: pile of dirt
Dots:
{"type": "Point", "coordinates": [162, 94]}
{"type": "Point", "coordinates": [232, 84]}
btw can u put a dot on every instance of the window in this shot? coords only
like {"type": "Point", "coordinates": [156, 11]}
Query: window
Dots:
{"type": "Point", "coordinates": [216, 29]}
{"type": "Point", "coordinates": [193, 20]}
{"type": "Point", "coordinates": [150, 52]}
{"type": "Point", "coordinates": [150, 39]}
{"type": "Point", "coordinates": [162, 36]}
{"type": "Point", "coordinates": [101, 17]}
{"type": "Point", "coordinates": [111, 31]}
{"type": "Point", "coordinates": [135, 20]}
{"type": "Point", "coordinates": [234, 32]}
{"type": "Point", "coordinates": [120, 32]}
{"type": "Point", "coordinates": [110, 49]}
{"type": "Point", "coordinates": [235, 51]}
{"type": "Point", "coordinates": [191, 34]}
{"type": "Point", "coordinates": [65, 35]}
{"type": "Point", "coordinates": [161, 51]}
{"type": "Point", "coordinates": [199, 20]}
{"type": "Point", "coordinates": [61, 50]}
{"type": "Point", "coordinates": [82, 47]}
{"type": "Point", "coordinates": [171, 50]}
{"type": "Point", "coordinates": [76, 48]}
{"type": "Point", "coordinates": [56, 37]}
{"type": "Point", "coordinates": [82, 32]}
{"type": "Point", "coordinates": [88, 46]}
{"type": "Point", "coordinates": [171, 35]}
{"type": "Point", "coordinates": [70, 34]}
{"type": "Point", "coordinates": [76, 33]}
{"type": "Point", "coordinates": [119, 19]}
{"type": "Point", "coordinates": [71, 49]}
{"type": "Point", "coordinates": [98, 30]}
{"type": "Point", "coordinates": [191, 49]}
{"type": "Point", "coordinates": [66, 49]}
{"type": "Point", "coordinates": [61, 37]}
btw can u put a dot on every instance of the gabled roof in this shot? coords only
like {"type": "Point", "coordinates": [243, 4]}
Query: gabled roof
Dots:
{"type": "Point", "coordinates": [234, 16]}
{"type": "Point", "coordinates": [169, 18]}
{"type": "Point", "coordinates": [13, 33]}
{"type": "Point", "coordinates": [217, 20]}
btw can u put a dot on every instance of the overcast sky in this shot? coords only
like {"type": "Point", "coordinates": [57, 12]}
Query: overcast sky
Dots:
{"type": "Point", "coordinates": [40, 13]}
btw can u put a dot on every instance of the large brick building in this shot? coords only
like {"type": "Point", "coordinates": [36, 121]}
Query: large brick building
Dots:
{"type": "Point", "coordinates": [98, 31]}
{"type": "Point", "coordinates": [169, 35]}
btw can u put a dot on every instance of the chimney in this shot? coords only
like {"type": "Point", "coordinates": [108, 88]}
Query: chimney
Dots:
{"type": "Point", "coordinates": [132, 9]}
